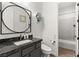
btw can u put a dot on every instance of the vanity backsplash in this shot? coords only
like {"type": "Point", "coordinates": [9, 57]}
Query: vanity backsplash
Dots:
{"type": "Point", "coordinates": [9, 39]}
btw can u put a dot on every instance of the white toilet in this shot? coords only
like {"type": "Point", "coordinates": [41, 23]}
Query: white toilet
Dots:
{"type": "Point", "coordinates": [46, 50]}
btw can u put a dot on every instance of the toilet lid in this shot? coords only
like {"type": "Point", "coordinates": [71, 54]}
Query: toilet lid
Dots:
{"type": "Point", "coordinates": [46, 48]}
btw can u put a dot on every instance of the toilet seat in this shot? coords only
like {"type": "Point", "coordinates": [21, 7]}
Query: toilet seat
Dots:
{"type": "Point", "coordinates": [46, 48]}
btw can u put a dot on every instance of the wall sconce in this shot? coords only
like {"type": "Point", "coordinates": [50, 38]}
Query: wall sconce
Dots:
{"type": "Point", "coordinates": [38, 16]}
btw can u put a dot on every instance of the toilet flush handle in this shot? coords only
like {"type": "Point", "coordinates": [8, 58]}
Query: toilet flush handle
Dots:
{"type": "Point", "coordinates": [53, 42]}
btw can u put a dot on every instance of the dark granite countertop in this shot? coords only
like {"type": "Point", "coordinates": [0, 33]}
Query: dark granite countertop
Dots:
{"type": "Point", "coordinates": [9, 46]}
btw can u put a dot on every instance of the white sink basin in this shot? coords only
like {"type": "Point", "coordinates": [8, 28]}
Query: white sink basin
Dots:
{"type": "Point", "coordinates": [22, 42]}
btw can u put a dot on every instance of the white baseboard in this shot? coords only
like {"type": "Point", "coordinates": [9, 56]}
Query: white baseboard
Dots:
{"type": "Point", "coordinates": [67, 44]}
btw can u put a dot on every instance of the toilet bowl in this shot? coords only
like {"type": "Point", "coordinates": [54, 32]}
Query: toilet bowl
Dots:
{"type": "Point", "coordinates": [46, 50]}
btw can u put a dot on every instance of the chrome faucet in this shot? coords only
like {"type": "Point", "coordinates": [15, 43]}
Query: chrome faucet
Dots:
{"type": "Point", "coordinates": [21, 37]}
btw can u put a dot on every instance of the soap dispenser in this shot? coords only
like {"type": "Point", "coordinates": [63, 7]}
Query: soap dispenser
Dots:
{"type": "Point", "coordinates": [30, 37]}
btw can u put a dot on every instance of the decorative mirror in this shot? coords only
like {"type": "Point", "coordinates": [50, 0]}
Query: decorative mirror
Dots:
{"type": "Point", "coordinates": [16, 19]}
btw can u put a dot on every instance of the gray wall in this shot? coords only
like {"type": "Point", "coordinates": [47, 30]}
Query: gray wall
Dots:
{"type": "Point", "coordinates": [66, 21]}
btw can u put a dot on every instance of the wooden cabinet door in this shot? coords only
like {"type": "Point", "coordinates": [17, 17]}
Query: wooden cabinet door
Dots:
{"type": "Point", "coordinates": [14, 55]}
{"type": "Point", "coordinates": [3, 55]}
{"type": "Point", "coordinates": [36, 53]}
{"type": "Point", "coordinates": [26, 51]}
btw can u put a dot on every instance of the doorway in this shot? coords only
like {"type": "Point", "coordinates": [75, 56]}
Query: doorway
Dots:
{"type": "Point", "coordinates": [67, 29]}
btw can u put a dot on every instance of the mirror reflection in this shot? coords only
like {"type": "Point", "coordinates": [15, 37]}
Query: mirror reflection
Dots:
{"type": "Point", "coordinates": [16, 18]}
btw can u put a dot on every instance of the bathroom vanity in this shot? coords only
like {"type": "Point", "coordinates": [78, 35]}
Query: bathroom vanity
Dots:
{"type": "Point", "coordinates": [31, 49]}
{"type": "Point", "coordinates": [19, 21]}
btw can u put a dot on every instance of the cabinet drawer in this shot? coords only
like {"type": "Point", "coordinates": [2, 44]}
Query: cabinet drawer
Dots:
{"type": "Point", "coordinates": [27, 50]}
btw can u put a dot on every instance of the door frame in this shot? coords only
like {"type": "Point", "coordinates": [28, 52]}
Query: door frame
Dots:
{"type": "Point", "coordinates": [76, 30]}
